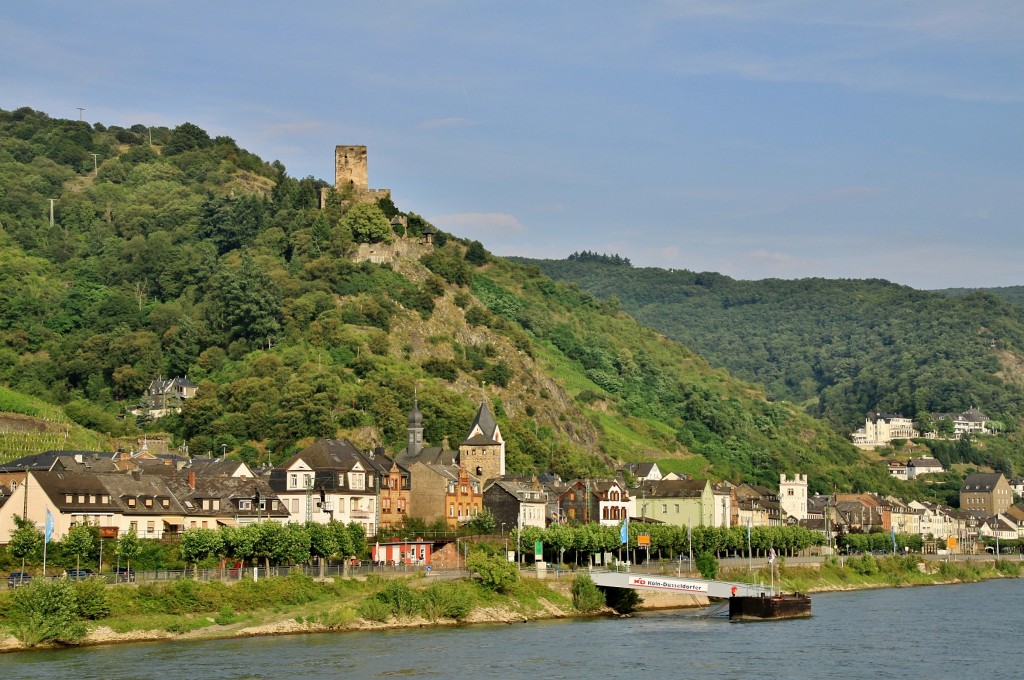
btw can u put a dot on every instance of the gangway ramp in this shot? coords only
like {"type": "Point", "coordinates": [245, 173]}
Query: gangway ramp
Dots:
{"type": "Point", "coordinates": [675, 584]}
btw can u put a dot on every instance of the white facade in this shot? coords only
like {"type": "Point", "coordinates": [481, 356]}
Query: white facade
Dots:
{"type": "Point", "coordinates": [793, 496]}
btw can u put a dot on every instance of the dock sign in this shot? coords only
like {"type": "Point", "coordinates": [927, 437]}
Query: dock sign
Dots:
{"type": "Point", "coordinates": [672, 584]}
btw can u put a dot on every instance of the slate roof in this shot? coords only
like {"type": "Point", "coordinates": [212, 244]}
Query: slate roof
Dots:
{"type": "Point", "coordinates": [92, 461]}
{"type": "Point", "coordinates": [981, 481]}
{"type": "Point", "coordinates": [485, 421]}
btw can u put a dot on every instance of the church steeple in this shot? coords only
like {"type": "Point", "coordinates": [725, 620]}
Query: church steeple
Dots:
{"type": "Point", "coordinates": [415, 427]}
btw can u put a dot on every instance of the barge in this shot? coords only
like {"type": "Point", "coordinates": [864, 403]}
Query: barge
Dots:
{"type": "Point", "coordinates": [769, 607]}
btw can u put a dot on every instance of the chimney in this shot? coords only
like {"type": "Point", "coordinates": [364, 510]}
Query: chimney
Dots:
{"type": "Point", "coordinates": [379, 451]}
{"type": "Point", "coordinates": [192, 479]}
{"type": "Point", "coordinates": [78, 458]}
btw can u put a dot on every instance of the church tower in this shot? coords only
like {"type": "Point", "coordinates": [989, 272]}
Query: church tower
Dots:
{"type": "Point", "coordinates": [793, 496]}
{"type": "Point", "coordinates": [415, 429]}
{"type": "Point", "coordinates": [483, 451]}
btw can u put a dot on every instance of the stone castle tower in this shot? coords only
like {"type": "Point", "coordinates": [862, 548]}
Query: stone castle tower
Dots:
{"type": "Point", "coordinates": [483, 452]}
{"type": "Point", "coordinates": [793, 496]}
{"type": "Point", "coordinates": [350, 172]}
{"type": "Point", "coordinates": [350, 168]}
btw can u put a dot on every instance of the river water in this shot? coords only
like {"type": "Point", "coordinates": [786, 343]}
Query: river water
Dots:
{"type": "Point", "coordinates": [962, 631]}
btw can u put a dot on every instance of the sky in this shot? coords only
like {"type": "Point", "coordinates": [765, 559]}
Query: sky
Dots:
{"type": "Point", "coordinates": [775, 138]}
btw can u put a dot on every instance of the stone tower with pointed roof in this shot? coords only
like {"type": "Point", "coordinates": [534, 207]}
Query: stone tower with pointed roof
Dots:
{"type": "Point", "coordinates": [483, 451]}
{"type": "Point", "coordinates": [415, 429]}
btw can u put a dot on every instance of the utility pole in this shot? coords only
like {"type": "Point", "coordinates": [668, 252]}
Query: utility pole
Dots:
{"type": "Point", "coordinates": [80, 110]}
{"type": "Point", "coordinates": [95, 165]}
{"type": "Point", "coordinates": [51, 212]}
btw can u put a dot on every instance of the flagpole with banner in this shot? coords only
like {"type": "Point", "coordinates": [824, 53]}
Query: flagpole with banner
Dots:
{"type": "Point", "coordinates": [624, 537]}
{"type": "Point", "coordinates": [771, 564]}
{"type": "Point", "coordinates": [47, 534]}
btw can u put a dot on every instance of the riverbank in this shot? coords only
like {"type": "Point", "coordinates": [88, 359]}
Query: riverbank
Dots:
{"type": "Point", "coordinates": [298, 605]}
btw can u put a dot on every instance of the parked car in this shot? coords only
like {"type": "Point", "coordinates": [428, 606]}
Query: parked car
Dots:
{"type": "Point", "coordinates": [79, 574]}
{"type": "Point", "coordinates": [124, 575]}
{"type": "Point", "coordinates": [18, 578]}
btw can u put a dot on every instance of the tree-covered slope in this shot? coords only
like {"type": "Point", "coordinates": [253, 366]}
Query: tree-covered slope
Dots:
{"type": "Point", "coordinates": [191, 256]}
{"type": "Point", "coordinates": [840, 347]}
{"type": "Point", "coordinates": [1014, 294]}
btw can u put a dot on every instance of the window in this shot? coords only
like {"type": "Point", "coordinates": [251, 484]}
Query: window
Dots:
{"type": "Point", "coordinates": [130, 502]}
{"type": "Point", "coordinates": [245, 504]}
{"type": "Point", "coordinates": [148, 502]}
{"type": "Point", "coordinates": [664, 508]}
{"type": "Point", "coordinates": [451, 510]}
{"type": "Point", "coordinates": [105, 498]}
{"type": "Point", "coordinates": [293, 480]}
{"type": "Point", "coordinates": [307, 481]}
{"type": "Point", "coordinates": [572, 495]}
{"type": "Point", "coordinates": [357, 481]}
{"type": "Point", "coordinates": [165, 502]}
{"type": "Point", "coordinates": [69, 498]}
{"type": "Point", "coordinates": [151, 526]}
{"type": "Point", "coordinates": [92, 498]}
{"type": "Point", "coordinates": [385, 504]}
{"type": "Point", "coordinates": [81, 498]}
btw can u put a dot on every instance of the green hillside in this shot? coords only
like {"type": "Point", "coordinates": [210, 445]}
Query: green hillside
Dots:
{"type": "Point", "coordinates": [838, 347]}
{"type": "Point", "coordinates": [1014, 294]}
{"type": "Point", "coordinates": [194, 257]}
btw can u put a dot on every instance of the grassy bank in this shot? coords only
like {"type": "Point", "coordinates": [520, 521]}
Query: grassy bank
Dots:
{"type": "Point", "coordinates": [89, 612]}
{"type": "Point", "coordinates": [869, 571]}
{"type": "Point", "coordinates": [61, 612]}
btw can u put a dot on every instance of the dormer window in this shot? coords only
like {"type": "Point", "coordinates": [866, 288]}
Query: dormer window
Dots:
{"type": "Point", "coordinates": [148, 502]}
{"type": "Point", "coordinates": [130, 502]}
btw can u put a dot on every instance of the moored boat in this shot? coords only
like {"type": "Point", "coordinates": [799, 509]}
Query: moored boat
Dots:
{"type": "Point", "coordinates": [769, 607]}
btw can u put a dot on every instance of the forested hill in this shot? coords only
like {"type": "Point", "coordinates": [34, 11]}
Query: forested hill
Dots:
{"type": "Point", "coordinates": [840, 347]}
{"type": "Point", "coordinates": [1014, 294]}
{"type": "Point", "coordinates": [187, 255]}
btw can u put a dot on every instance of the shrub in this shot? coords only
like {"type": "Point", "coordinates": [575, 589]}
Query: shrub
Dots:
{"type": "Point", "coordinates": [400, 598]}
{"type": "Point", "coordinates": [707, 565]}
{"type": "Point", "coordinates": [623, 600]}
{"type": "Point", "coordinates": [45, 611]}
{"type": "Point", "coordinates": [495, 574]}
{"type": "Point", "coordinates": [91, 597]}
{"type": "Point", "coordinates": [373, 609]}
{"type": "Point", "coordinates": [225, 617]}
{"type": "Point", "coordinates": [447, 599]}
{"type": "Point", "coordinates": [586, 596]}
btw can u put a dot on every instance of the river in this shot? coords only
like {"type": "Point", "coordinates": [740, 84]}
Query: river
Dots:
{"type": "Point", "coordinates": [961, 631]}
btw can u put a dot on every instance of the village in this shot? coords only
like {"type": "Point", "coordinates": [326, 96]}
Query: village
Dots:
{"type": "Point", "coordinates": [161, 494]}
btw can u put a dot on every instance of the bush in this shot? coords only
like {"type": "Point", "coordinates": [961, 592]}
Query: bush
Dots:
{"type": "Point", "coordinates": [495, 573]}
{"type": "Point", "coordinates": [623, 600]}
{"type": "Point", "coordinates": [373, 609]}
{"type": "Point", "coordinates": [447, 599]}
{"type": "Point", "coordinates": [91, 596]}
{"type": "Point", "coordinates": [586, 596]}
{"type": "Point", "coordinates": [400, 598]}
{"type": "Point", "coordinates": [45, 611]}
{"type": "Point", "coordinates": [707, 565]}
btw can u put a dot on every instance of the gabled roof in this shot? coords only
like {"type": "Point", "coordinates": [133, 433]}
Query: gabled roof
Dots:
{"type": "Point", "coordinates": [70, 461]}
{"type": "Point", "coordinates": [981, 481]}
{"type": "Point", "coordinates": [923, 462]}
{"type": "Point", "coordinates": [480, 440]}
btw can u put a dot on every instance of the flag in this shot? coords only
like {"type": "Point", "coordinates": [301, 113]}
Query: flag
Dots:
{"type": "Point", "coordinates": [771, 554]}
{"type": "Point", "coordinates": [624, 531]}
{"type": "Point", "coordinates": [49, 526]}
{"type": "Point", "coordinates": [893, 531]}
{"type": "Point", "coordinates": [748, 531]}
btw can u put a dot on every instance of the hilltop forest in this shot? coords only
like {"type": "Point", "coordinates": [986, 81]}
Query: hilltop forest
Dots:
{"type": "Point", "coordinates": [173, 253]}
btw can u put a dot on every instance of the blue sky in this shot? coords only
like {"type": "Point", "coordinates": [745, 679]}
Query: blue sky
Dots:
{"type": "Point", "coordinates": [868, 139]}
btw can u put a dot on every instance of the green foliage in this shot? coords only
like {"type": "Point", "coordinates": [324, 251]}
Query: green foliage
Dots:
{"type": "Point", "coordinates": [373, 609]}
{"type": "Point", "coordinates": [483, 524]}
{"type": "Point", "coordinates": [45, 611]}
{"type": "Point", "coordinates": [26, 541]}
{"type": "Point", "coordinates": [844, 347]}
{"type": "Point", "coordinates": [476, 254]}
{"type": "Point", "coordinates": [78, 543]}
{"type": "Point", "coordinates": [495, 573]}
{"type": "Point", "coordinates": [707, 565]}
{"type": "Point", "coordinates": [623, 600]}
{"type": "Point", "coordinates": [586, 596]}
{"type": "Point", "coordinates": [368, 224]}
{"type": "Point", "coordinates": [91, 598]}
{"type": "Point", "coordinates": [447, 599]}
